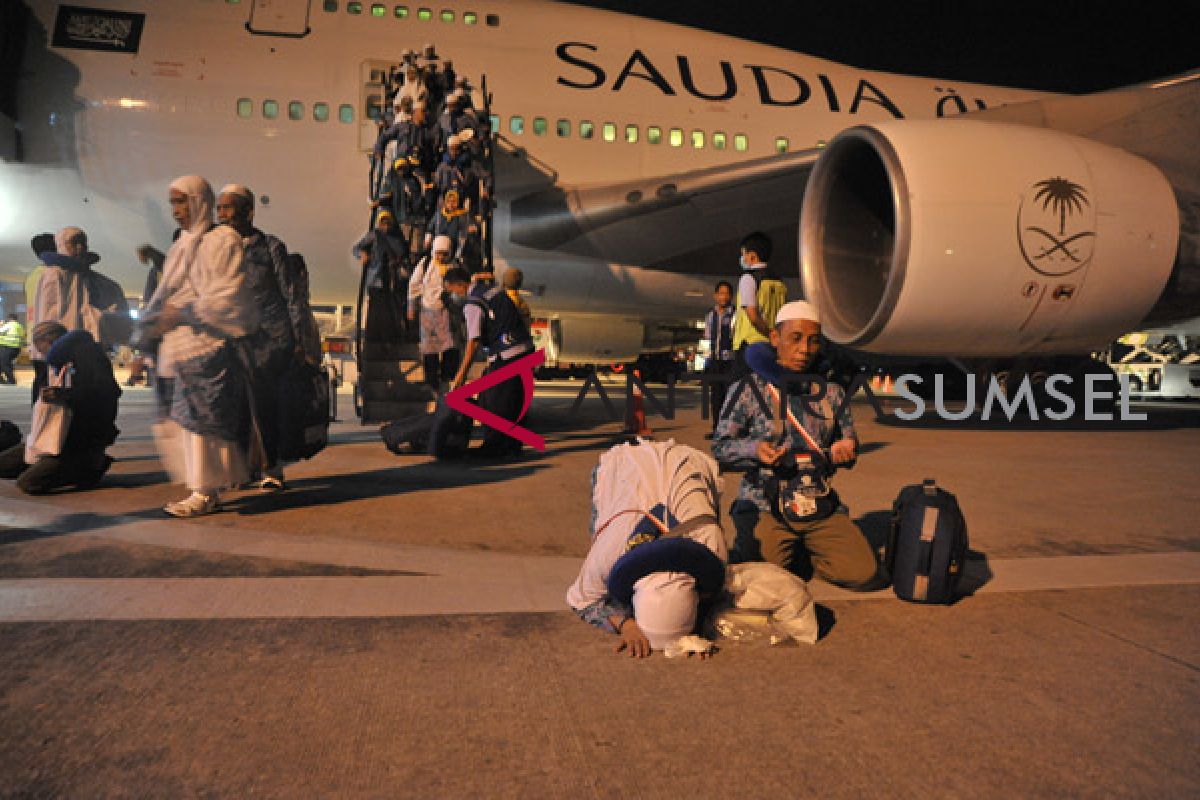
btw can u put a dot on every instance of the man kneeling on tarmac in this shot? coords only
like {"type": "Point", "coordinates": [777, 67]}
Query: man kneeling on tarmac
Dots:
{"type": "Point", "coordinates": [786, 512]}
{"type": "Point", "coordinates": [92, 398]}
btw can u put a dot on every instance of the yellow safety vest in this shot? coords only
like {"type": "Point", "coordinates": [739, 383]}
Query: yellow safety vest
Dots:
{"type": "Point", "coordinates": [12, 334]}
{"type": "Point", "coordinates": [770, 297]}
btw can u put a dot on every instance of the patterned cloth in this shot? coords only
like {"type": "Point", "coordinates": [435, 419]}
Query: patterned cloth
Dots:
{"type": "Point", "coordinates": [272, 345]}
{"type": "Point", "coordinates": [744, 423]}
{"type": "Point", "coordinates": [436, 334]}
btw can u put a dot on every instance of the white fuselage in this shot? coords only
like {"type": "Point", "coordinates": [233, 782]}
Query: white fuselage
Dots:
{"type": "Point", "coordinates": [106, 132]}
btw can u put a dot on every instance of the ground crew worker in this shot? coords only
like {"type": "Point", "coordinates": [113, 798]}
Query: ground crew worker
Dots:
{"type": "Point", "coordinates": [493, 323]}
{"type": "Point", "coordinates": [12, 336]}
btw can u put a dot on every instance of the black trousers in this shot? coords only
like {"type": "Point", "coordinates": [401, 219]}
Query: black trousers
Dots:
{"type": "Point", "coordinates": [440, 369]}
{"type": "Point", "coordinates": [81, 470]}
{"type": "Point", "coordinates": [504, 400]}
{"type": "Point", "coordinates": [7, 356]}
{"type": "Point", "coordinates": [717, 391]}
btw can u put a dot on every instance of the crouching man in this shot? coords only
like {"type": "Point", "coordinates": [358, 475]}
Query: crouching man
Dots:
{"type": "Point", "coordinates": [92, 398]}
{"type": "Point", "coordinates": [786, 512]}
{"type": "Point", "coordinates": [657, 547]}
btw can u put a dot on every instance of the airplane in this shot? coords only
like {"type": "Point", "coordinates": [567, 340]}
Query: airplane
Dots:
{"type": "Point", "coordinates": [926, 217]}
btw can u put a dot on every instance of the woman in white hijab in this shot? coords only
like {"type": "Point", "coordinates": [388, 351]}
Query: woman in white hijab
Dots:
{"type": "Point", "coordinates": [201, 304]}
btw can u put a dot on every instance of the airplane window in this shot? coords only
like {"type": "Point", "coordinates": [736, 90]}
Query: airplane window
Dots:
{"type": "Point", "coordinates": [245, 107]}
{"type": "Point", "coordinates": [400, 12]}
{"type": "Point", "coordinates": [539, 126]}
{"type": "Point", "coordinates": [493, 20]}
{"type": "Point", "coordinates": [321, 112]}
{"type": "Point", "coordinates": [424, 14]}
{"type": "Point", "coordinates": [654, 134]}
{"type": "Point", "coordinates": [374, 107]}
{"type": "Point", "coordinates": [233, 2]}
{"type": "Point", "coordinates": [609, 132]}
{"type": "Point", "coordinates": [697, 139]}
{"type": "Point", "coordinates": [296, 110]}
{"type": "Point", "coordinates": [564, 127]}
{"type": "Point", "coordinates": [740, 142]}
{"type": "Point", "coordinates": [354, 7]}
{"type": "Point", "coordinates": [631, 134]}
{"type": "Point", "coordinates": [330, 5]}
{"type": "Point", "coordinates": [470, 18]}
{"type": "Point", "coordinates": [378, 10]}
{"type": "Point", "coordinates": [781, 144]}
{"type": "Point", "coordinates": [346, 113]}
{"type": "Point", "coordinates": [516, 125]}
{"type": "Point", "coordinates": [719, 140]}
{"type": "Point", "coordinates": [676, 137]}
{"type": "Point", "coordinates": [447, 15]}
{"type": "Point", "coordinates": [270, 109]}
{"type": "Point", "coordinates": [586, 129]}
{"type": "Point", "coordinates": [494, 119]}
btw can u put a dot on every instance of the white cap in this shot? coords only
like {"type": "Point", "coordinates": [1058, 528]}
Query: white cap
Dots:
{"type": "Point", "coordinates": [238, 189]}
{"type": "Point", "coordinates": [798, 309]}
{"type": "Point", "coordinates": [465, 135]}
{"type": "Point", "coordinates": [442, 242]}
{"type": "Point", "coordinates": [664, 605]}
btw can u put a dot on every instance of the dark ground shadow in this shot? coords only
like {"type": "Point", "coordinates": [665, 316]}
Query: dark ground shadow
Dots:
{"type": "Point", "coordinates": [389, 482]}
{"type": "Point", "coordinates": [976, 574]}
{"type": "Point", "coordinates": [826, 621]}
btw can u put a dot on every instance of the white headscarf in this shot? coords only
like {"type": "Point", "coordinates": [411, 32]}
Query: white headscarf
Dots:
{"type": "Point", "coordinates": [200, 202]}
{"type": "Point", "coordinates": [664, 605]}
{"type": "Point", "coordinates": [64, 236]}
{"type": "Point", "coordinates": [183, 251]}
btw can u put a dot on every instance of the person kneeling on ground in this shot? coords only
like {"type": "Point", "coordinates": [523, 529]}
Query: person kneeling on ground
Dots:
{"type": "Point", "coordinates": [92, 398]}
{"type": "Point", "coordinates": [657, 547]}
{"type": "Point", "coordinates": [803, 523]}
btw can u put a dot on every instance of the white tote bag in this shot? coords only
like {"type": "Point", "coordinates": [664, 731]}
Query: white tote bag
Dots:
{"type": "Point", "coordinates": [51, 421]}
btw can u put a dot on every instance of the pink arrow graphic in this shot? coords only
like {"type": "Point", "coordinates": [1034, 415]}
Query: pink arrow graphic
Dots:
{"type": "Point", "coordinates": [457, 399]}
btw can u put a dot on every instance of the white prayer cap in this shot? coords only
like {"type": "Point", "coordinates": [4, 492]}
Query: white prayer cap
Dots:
{"type": "Point", "coordinates": [443, 244]}
{"type": "Point", "coordinates": [664, 606]}
{"type": "Point", "coordinates": [798, 309]}
{"type": "Point", "coordinates": [466, 135]}
{"type": "Point", "coordinates": [239, 189]}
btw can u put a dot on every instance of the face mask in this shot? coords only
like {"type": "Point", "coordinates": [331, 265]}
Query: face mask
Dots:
{"type": "Point", "coordinates": [744, 261]}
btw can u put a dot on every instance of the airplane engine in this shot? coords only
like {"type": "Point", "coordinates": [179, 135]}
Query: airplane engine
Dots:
{"type": "Point", "coordinates": [971, 238]}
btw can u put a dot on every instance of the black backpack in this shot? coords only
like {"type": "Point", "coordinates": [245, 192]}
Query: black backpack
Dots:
{"type": "Point", "coordinates": [303, 412]}
{"type": "Point", "coordinates": [927, 547]}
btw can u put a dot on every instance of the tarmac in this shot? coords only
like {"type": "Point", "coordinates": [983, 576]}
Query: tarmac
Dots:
{"type": "Point", "coordinates": [394, 626]}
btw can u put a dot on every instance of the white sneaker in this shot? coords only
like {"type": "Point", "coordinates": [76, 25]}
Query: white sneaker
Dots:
{"type": "Point", "coordinates": [271, 483]}
{"type": "Point", "coordinates": [196, 505]}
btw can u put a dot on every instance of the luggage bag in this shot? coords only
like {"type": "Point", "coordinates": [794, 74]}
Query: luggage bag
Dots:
{"type": "Point", "coordinates": [927, 545]}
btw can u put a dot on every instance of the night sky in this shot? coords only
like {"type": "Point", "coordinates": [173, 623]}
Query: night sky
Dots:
{"type": "Point", "coordinates": [1054, 45]}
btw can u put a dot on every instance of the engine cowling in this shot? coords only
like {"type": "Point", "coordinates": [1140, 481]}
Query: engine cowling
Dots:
{"type": "Point", "coordinates": [969, 238]}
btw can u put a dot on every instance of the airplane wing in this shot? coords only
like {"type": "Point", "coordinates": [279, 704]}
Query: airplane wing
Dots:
{"type": "Point", "coordinates": [688, 222]}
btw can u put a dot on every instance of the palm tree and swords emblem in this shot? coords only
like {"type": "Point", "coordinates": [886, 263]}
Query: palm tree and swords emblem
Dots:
{"type": "Point", "coordinates": [1056, 202]}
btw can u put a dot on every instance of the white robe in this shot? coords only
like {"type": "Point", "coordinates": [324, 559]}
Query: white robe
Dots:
{"type": "Point", "coordinates": [639, 477]}
{"type": "Point", "coordinates": [204, 275]}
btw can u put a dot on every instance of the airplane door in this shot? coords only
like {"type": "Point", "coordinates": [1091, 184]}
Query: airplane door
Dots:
{"type": "Point", "coordinates": [279, 18]}
{"type": "Point", "coordinates": [372, 96]}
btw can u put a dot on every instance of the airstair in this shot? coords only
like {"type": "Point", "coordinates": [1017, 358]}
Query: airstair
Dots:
{"type": "Point", "coordinates": [390, 377]}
